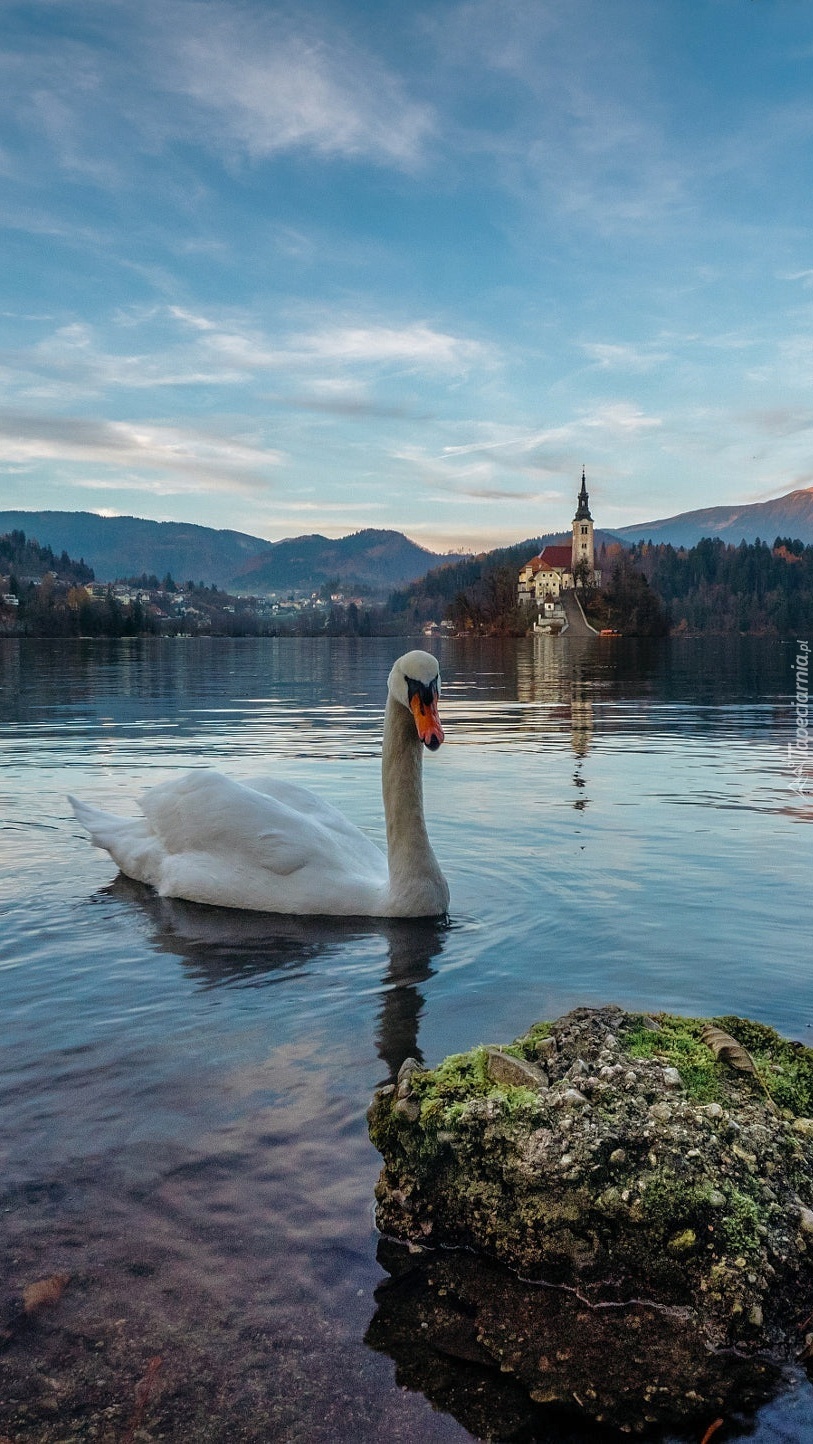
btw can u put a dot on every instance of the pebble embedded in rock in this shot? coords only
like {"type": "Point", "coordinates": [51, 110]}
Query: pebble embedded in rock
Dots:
{"type": "Point", "coordinates": [505, 1068]}
{"type": "Point", "coordinates": [408, 1108]}
{"type": "Point", "coordinates": [572, 1098]}
{"type": "Point", "coordinates": [408, 1067]}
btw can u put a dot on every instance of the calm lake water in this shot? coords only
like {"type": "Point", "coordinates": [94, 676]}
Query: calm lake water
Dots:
{"type": "Point", "coordinates": [184, 1089]}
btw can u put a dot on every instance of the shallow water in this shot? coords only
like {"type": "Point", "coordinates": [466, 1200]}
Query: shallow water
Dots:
{"type": "Point", "coordinates": [184, 1088]}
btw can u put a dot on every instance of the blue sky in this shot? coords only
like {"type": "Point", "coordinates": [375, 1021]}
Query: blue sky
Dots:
{"type": "Point", "coordinates": [316, 267]}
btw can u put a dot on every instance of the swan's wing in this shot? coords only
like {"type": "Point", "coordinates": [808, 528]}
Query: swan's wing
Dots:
{"type": "Point", "coordinates": [309, 804]}
{"type": "Point", "coordinates": [205, 812]}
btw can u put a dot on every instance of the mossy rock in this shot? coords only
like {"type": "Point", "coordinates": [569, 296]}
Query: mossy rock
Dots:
{"type": "Point", "coordinates": [642, 1167]}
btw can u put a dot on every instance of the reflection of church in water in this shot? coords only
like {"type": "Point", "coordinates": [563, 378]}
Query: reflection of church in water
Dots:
{"type": "Point", "coordinates": [550, 675]}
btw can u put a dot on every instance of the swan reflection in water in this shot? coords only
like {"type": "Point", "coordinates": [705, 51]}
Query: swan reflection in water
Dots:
{"type": "Point", "coordinates": [222, 947]}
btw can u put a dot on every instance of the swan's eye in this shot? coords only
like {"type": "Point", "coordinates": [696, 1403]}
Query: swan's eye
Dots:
{"type": "Point", "coordinates": [426, 692]}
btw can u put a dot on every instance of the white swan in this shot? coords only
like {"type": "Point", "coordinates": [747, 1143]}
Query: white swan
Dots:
{"type": "Point", "coordinates": [272, 846]}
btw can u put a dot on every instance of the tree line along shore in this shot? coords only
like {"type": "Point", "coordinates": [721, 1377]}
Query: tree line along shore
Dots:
{"type": "Point", "coordinates": [648, 590]}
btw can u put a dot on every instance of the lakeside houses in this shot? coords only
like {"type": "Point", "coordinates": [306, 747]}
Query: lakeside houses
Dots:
{"type": "Point", "coordinates": [58, 604]}
{"type": "Point", "coordinates": [561, 568]}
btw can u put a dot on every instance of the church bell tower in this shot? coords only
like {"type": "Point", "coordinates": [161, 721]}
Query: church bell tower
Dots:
{"type": "Point", "coordinates": [583, 532]}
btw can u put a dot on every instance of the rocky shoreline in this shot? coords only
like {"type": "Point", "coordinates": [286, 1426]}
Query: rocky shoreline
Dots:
{"type": "Point", "coordinates": [649, 1176]}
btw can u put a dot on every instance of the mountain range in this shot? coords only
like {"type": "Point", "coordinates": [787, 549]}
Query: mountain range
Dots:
{"type": "Point", "coordinates": [124, 546]}
{"type": "Point", "coordinates": [790, 515]}
{"type": "Point", "coordinates": [373, 561]}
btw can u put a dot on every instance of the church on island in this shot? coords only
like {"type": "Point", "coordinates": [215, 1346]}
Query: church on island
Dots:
{"type": "Point", "coordinates": [561, 568]}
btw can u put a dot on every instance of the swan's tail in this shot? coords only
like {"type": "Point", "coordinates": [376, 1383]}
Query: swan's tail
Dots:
{"type": "Point", "coordinates": [95, 820]}
{"type": "Point", "coordinates": [130, 841]}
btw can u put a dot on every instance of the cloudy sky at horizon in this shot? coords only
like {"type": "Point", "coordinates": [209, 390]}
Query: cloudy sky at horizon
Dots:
{"type": "Point", "coordinates": [316, 267]}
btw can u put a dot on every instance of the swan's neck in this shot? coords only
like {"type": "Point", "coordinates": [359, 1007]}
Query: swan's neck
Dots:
{"type": "Point", "coordinates": [417, 885]}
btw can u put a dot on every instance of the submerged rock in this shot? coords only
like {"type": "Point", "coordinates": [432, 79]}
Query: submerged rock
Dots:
{"type": "Point", "coordinates": [637, 1168]}
{"type": "Point", "coordinates": [499, 1353]}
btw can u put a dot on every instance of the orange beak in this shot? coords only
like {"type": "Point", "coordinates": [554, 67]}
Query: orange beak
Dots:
{"type": "Point", "coordinates": [427, 722]}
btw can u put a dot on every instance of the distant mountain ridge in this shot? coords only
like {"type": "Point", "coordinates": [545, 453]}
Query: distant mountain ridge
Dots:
{"type": "Point", "coordinates": [373, 558]}
{"type": "Point", "coordinates": [119, 546]}
{"type": "Point", "coordinates": [127, 546]}
{"type": "Point", "coordinates": [789, 515]}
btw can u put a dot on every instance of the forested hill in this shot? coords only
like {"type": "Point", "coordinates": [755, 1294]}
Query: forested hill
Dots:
{"type": "Point", "coordinates": [432, 596]}
{"type": "Point", "coordinates": [372, 560]}
{"type": "Point", "coordinates": [24, 558]}
{"type": "Point", "coordinates": [714, 587]}
{"type": "Point", "coordinates": [122, 546]}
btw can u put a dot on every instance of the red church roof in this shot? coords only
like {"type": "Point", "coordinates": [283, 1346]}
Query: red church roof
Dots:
{"type": "Point", "coordinates": [557, 557]}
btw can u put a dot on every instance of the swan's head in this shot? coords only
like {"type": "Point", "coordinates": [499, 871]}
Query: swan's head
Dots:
{"type": "Point", "coordinates": [415, 682]}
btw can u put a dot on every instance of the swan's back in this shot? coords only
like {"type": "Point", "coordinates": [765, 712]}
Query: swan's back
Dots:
{"type": "Point", "coordinates": [267, 845]}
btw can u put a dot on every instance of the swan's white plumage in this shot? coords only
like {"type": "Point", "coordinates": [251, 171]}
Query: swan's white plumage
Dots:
{"type": "Point", "coordinates": [272, 846]}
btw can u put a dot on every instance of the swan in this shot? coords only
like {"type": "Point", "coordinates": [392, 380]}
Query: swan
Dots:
{"type": "Point", "coordinates": [272, 846]}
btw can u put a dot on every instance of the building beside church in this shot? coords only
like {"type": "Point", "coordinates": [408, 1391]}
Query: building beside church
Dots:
{"type": "Point", "coordinates": [561, 568]}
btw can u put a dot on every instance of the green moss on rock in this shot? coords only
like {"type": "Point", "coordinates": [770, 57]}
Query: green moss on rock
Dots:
{"type": "Point", "coordinates": [677, 1042]}
{"type": "Point", "coordinates": [785, 1069]}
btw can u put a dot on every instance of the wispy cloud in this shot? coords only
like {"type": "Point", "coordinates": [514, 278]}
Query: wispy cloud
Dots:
{"type": "Point", "coordinates": [619, 418]}
{"type": "Point", "coordinates": [352, 407]}
{"type": "Point", "coordinates": [192, 456]}
{"type": "Point", "coordinates": [779, 420]}
{"type": "Point", "coordinates": [418, 344]}
{"type": "Point", "coordinates": [805, 276]}
{"type": "Point", "coordinates": [483, 471]}
{"type": "Point", "coordinates": [584, 137]}
{"type": "Point", "coordinates": [494, 493]}
{"type": "Point", "coordinates": [183, 348]}
{"type": "Point", "coordinates": [274, 88]}
{"type": "Point", "coordinates": [343, 342]}
{"type": "Point", "coordinates": [621, 356]}
{"type": "Point", "coordinates": [244, 83]}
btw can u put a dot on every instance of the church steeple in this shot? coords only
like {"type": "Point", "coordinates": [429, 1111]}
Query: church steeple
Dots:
{"type": "Point", "coordinates": [583, 510]}
{"type": "Point", "coordinates": [582, 557]}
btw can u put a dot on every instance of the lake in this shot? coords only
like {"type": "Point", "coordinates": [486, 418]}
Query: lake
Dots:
{"type": "Point", "coordinates": [184, 1089]}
